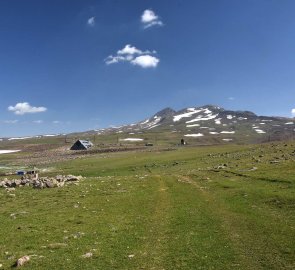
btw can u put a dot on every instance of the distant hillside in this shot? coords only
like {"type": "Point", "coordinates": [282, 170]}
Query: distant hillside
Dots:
{"type": "Point", "coordinates": [212, 124]}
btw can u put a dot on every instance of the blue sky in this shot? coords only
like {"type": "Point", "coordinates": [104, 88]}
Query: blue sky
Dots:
{"type": "Point", "coordinates": [68, 65]}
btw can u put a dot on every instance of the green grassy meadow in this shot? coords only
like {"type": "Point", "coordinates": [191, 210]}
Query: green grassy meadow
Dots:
{"type": "Point", "coordinates": [215, 207]}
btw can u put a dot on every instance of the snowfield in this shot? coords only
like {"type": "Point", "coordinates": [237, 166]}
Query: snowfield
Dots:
{"type": "Point", "coordinates": [8, 151]}
{"type": "Point", "coordinates": [193, 125]}
{"type": "Point", "coordinates": [194, 135]}
{"type": "Point", "coordinates": [191, 111]}
{"type": "Point", "coordinates": [228, 132]}
{"type": "Point", "coordinates": [131, 140]}
{"type": "Point", "coordinates": [203, 118]}
{"type": "Point", "coordinates": [260, 131]}
{"type": "Point", "coordinates": [19, 138]}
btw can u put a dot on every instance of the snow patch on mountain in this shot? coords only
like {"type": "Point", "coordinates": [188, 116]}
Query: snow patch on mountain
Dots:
{"type": "Point", "coordinates": [131, 140]}
{"type": "Point", "coordinates": [154, 126]}
{"type": "Point", "coordinates": [193, 125]}
{"type": "Point", "coordinates": [151, 123]}
{"type": "Point", "coordinates": [203, 118]}
{"type": "Point", "coordinates": [50, 135]}
{"type": "Point", "coordinates": [194, 135]}
{"type": "Point", "coordinates": [227, 132]}
{"type": "Point", "coordinates": [218, 121]}
{"type": "Point", "coordinates": [189, 113]}
{"type": "Point", "coordinates": [259, 131]}
{"type": "Point", "coordinates": [19, 138]}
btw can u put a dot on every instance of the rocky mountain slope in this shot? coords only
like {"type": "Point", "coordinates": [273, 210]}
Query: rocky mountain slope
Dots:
{"type": "Point", "coordinates": [213, 124]}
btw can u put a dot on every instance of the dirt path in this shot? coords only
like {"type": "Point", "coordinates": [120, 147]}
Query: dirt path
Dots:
{"type": "Point", "coordinates": [154, 248]}
{"type": "Point", "coordinates": [248, 258]}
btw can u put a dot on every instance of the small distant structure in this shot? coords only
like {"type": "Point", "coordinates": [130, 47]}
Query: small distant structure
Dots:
{"type": "Point", "coordinates": [182, 142]}
{"type": "Point", "coordinates": [81, 145]}
{"type": "Point", "coordinates": [149, 144]}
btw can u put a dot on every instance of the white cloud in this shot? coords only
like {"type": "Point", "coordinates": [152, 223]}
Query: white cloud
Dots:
{"type": "Point", "coordinates": [10, 121]}
{"type": "Point", "coordinates": [38, 121]}
{"type": "Point", "coordinates": [115, 59]}
{"type": "Point", "coordinates": [24, 107]}
{"type": "Point", "coordinates": [149, 19]}
{"type": "Point", "coordinates": [146, 61]}
{"type": "Point", "coordinates": [91, 21]}
{"type": "Point", "coordinates": [148, 16]}
{"type": "Point", "coordinates": [56, 122]}
{"type": "Point", "coordinates": [231, 98]}
{"type": "Point", "coordinates": [152, 24]}
{"type": "Point", "coordinates": [134, 56]}
{"type": "Point", "coordinates": [293, 112]}
{"type": "Point", "coordinates": [128, 49]}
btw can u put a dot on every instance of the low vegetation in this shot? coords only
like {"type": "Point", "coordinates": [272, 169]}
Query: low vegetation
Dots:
{"type": "Point", "coordinates": [215, 207]}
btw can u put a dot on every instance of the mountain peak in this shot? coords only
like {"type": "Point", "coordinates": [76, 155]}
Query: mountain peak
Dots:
{"type": "Point", "coordinates": [212, 124]}
{"type": "Point", "coordinates": [167, 112]}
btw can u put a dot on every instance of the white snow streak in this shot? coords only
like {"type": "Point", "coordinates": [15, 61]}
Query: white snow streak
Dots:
{"type": "Point", "coordinates": [193, 125]}
{"type": "Point", "coordinates": [260, 131]}
{"type": "Point", "coordinates": [227, 132]}
{"type": "Point", "coordinates": [202, 118]}
{"type": "Point", "coordinates": [131, 140]}
{"type": "Point", "coordinates": [8, 151]}
{"type": "Point", "coordinates": [191, 111]}
{"type": "Point", "coordinates": [194, 135]}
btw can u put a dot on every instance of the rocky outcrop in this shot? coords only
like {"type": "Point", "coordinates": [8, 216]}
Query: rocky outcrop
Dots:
{"type": "Point", "coordinates": [40, 183]}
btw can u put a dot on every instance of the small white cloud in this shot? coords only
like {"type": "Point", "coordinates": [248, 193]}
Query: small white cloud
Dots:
{"type": "Point", "coordinates": [128, 49]}
{"type": "Point", "coordinates": [10, 121]}
{"type": "Point", "coordinates": [24, 107]}
{"type": "Point", "coordinates": [56, 122]}
{"type": "Point", "coordinates": [231, 98]}
{"type": "Point", "coordinates": [91, 21]}
{"type": "Point", "coordinates": [146, 61]}
{"type": "Point", "coordinates": [148, 16]}
{"type": "Point", "coordinates": [134, 56]}
{"type": "Point", "coordinates": [114, 59]}
{"type": "Point", "coordinates": [38, 121]}
{"type": "Point", "coordinates": [293, 112]}
{"type": "Point", "coordinates": [149, 19]}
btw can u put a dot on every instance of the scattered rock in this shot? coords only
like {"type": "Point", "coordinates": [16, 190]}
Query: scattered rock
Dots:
{"type": "Point", "coordinates": [49, 184]}
{"type": "Point", "coordinates": [223, 166]}
{"type": "Point", "coordinates": [17, 182]}
{"type": "Point", "coordinates": [21, 261]}
{"type": "Point", "coordinates": [43, 182]}
{"type": "Point", "coordinates": [274, 162]}
{"type": "Point", "coordinates": [87, 255]}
